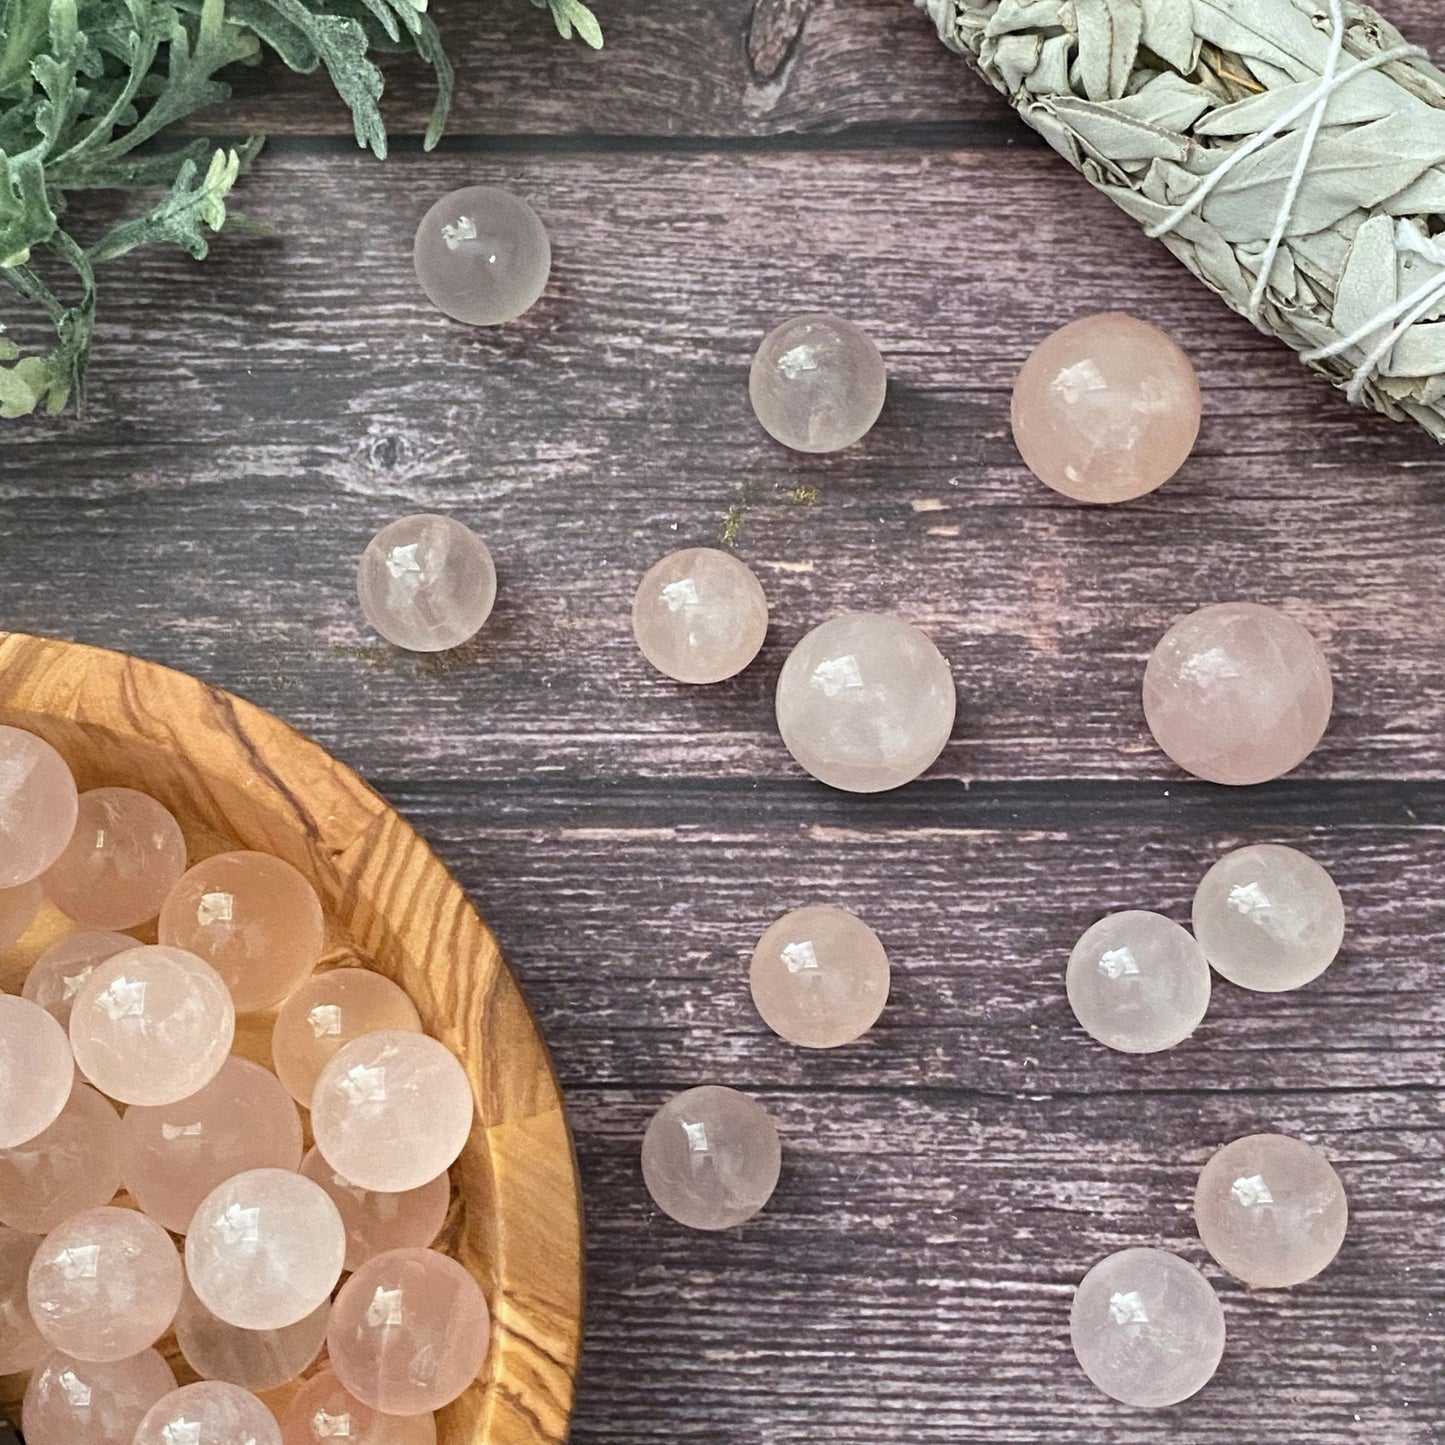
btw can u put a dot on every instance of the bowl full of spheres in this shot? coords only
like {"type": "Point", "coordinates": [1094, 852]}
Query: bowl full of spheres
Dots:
{"type": "Point", "coordinates": [242, 989]}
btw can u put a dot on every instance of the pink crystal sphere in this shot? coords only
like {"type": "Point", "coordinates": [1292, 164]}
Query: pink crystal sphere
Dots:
{"type": "Point", "coordinates": [1271, 1210]}
{"type": "Point", "coordinates": [37, 806]}
{"type": "Point", "coordinates": [700, 615]}
{"type": "Point", "coordinates": [1106, 409]}
{"type": "Point", "coordinates": [325, 1412]}
{"type": "Point", "coordinates": [865, 702]}
{"type": "Point", "coordinates": [325, 1014]}
{"type": "Point", "coordinates": [265, 1249]}
{"type": "Point", "coordinates": [18, 907]}
{"type": "Point", "coordinates": [209, 1413]}
{"type": "Point", "coordinates": [21, 1344]}
{"type": "Point", "coordinates": [72, 1166]}
{"type": "Point", "coordinates": [482, 255]}
{"type": "Point", "coordinates": [711, 1158]}
{"type": "Point", "coordinates": [819, 977]}
{"type": "Point", "coordinates": [817, 383]}
{"type": "Point", "coordinates": [152, 1025]}
{"type": "Point", "coordinates": [56, 976]}
{"type": "Point", "coordinates": [36, 1070]}
{"type": "Point", "coordinates": [105, 1285]}
{"type": "Point", "coordinates": [391, 1111]}
{"type": "Point", "coordinates": [254, 1359]}
{"type": "Point", "coordinates": [376, 1222]}
{"type": "Point", "coordinates": [175, 1154]}
{"type": "Point", "coordinates": [1237, 693]}
{"type": "Point", "coordinates": [91, 1402]}
{"type": "Point", "coordinates": [1147, 1328]}
{"type": "Point", "coordinates": [255, 919]}
{"type": "Point", "coordinates": [408, 1332]}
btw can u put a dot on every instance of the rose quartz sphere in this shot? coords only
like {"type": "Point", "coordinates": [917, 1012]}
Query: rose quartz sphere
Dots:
{"type": "Point", "coordinates": [1271, 1210]}
{"type": "Point", "coordinates": [72, 1166]}
{"type": "Point", "coordinates": [817, 383]}
{"type": "Point", "coordinates": [152, 1025]}
{"type": "Point", "coordinates": [21, 1345]}
{"type": "Point", "coordinates": [18, 907]}
{"type": "Point", "coordinates": [700, 615]}
{"type": "Point", "coordinates": [1147, 1328]}
{"type": "Point", "coordinates": [37, 806]}
{"type": "Point", "coordinates": [105, 1285]}
{"type": "Point", "coordinates": [175, 1154]}
{"type": "Point", "coordinates": [36, 1070]}
{"type": "Point", "coordinates": [265, 1249]}
{"type": "Point", "coordinates": [482, 255]}
{"type": "Point", "coordinates": [1106, 409]}
{"type": "Point", "coordinates": [819, 977]}
{"type": "Point", "coordinates": [1269, 918]}
{"type": "Point", "coordinates": [375, 1222]}
{"type": "Point", "coordinates": [209, 1413]}
{"type": "Point", "coordinates": [253, 918]}
{"type": "Point", "coordinates": [711, 1158]}
{"type": "Point", "coordinates": [391, 1111]}
{"type": "Point", "coordinates": [408, 1332]}
{"type": "Point", "coordinates": [56, 976]}
{"type": "Point", "coordinates": [90, 1402]}
{"type": "Point", "coordinates": [325, 1412]}
{"type": "Point", "coordinates": [325, 1014]}
{"type": "Point", "coordinates": [865, 702]}
{"type": "Point", "coordinates": [254, 1359]}
{"type": "Point", "coordinates": [1237, 693]}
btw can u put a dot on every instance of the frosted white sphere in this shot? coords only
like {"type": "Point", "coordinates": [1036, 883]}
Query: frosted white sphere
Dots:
{"type": "Point", "coordinates": [71, 1166]}
{"type": "Point", "coordinates": [88, 1402]}
{"type": "Point", "coordinates": [817, 383]}
{"type": "Point", "coordinates": [38, 806]}
{"type": "Point", "coordinates": [56, 976]}
{"type": "Point", "coordinates": [254, 1359]}
{"type": "Point", "coordinates": [208, 1413]}
{"type": "Point", "coordinates": [36, 1070]}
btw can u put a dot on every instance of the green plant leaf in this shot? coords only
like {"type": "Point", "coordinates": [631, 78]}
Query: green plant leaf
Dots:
{"type": "Point", "coordinates": [570, 15]}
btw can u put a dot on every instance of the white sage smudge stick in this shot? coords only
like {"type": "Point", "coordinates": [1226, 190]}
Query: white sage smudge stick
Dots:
{"type": "Point", "coordinates": [1291, 153]}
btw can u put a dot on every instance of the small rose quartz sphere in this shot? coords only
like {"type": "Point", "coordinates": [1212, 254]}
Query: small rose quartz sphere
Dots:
{"type": "Point", "coordinates": [22, 1346]}
{"type": "Point", "coordinates": [376, 1222]}
{"type": "Point", "coordinates": [72, 1166]}
{"type": "Point", "coordinates": [56, 976]}
{"type": "Point", "coordinates": [1147, 1328]}
{"type": "Point", "coordinates": [209, 1413]}
{"type": "Point", "coordinates": [482, 255]}
{"type": "Point", "coordinates": [37, 806]}
{"type": "Point", "coordinates": [1106, 409]}
{"type": "Point", "coordinates": [324, 1412]}
{"type": "Point", "coordinates": [408, 1332]}
{"type": "Point", "coordinates": [18, 907]}
{"type": "Point", "coordinates": [254, 1359]}
{"type": "Point", "coordinates": [152, 1025]}
{"type": "Point", "coordinates": [391, 1111]}
{"type": "Point", "coordinates": [711, 1158]}
{"type": "Point", "coordinates": [817, 383]}
{"type": "Point", "coordinates": [819, 977]}
{"type": "Point", "coordinates": [865, 702]}
{"type": "Point", "coordinates": [325, 1014]}
{"type": "Point", "coordinates": [90, 1402]}
{"type": "Point", "coordinates": [700, 615]}
{"type": "Point", "coordinates": [255, 919]}
{"type": "Point", "coordinates": [176, 1154]}
{"type": "Point", "coordinates": [105, 1285]}
{"type": "Point", "coordinates": [36, 1070]}
{"type": "Point", "coordinates": [1269, 918]}
{"type": "Point", "coordinates": [265, 1249]}
{"type": "Point", "coordinates": [1138, 982]}
{"type": "Point", "coordinates": [1237, 693]}
{"type": "Point", "coordinates": [1271, 1210]}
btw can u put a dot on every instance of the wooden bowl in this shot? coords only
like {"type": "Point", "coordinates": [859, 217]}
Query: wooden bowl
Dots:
{"type": "Point", "coordinates": [236, 777]}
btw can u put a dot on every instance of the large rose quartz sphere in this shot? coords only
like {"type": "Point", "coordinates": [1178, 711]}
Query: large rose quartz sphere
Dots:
{"type": "Point", "coordinates": [482, 255]}
{"type": "Point", "coordinates": [324, 1412]}
{"type": "Point", "coordinates": [56, 976]}
{"type": "Point", "coordinates": [21, 1344]}
{"type": "Point", "coordinates": [376, 1222]}
{"type": "Point", "coordinates": [699, 615]}
{"type": "Point", "coordinates": [91, 1402]}
{"type": "Point", "coordinates": [817, 383]}
{"type": "Point", "coordinates": [1238, 693]}
{"type": "Point", "coordinates": [152, 1025]}
{"type": "Point", "coordinates": [72, 1166]}
{"type": "Point", "coordinates": [209, 1413]}
{"type": "Point", "coordinates": [254, 1359]}
{"type": "Point", "coordinates": [1106, 409]}
{"type": "Point", "coordinates": [18, 907]}
{"type": "Point", "coordinates": [38, 802]}
{"type": "Point", "coordinates": [105, 1284]}
{"type": "Point", "coordinates": [408, 1332]}
{"type": "Point", "coordinates": [36, 1070]}
{"type": "Point", "coordinates": [391, 1111]}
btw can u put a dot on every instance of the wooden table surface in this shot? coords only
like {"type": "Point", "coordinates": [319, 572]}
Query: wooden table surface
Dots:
{"type": "Point", "coordinates": [946, 1183]}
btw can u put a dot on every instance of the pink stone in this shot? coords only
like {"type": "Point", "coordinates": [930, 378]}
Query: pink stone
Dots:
{"type": "Point", "coordinates": [22, 1346]}
{"type": "Point", "coordinates": [376, 1222]}
{"type": "Point", "coordinates": [1238, 693]}
{"type": "Point", "coordinates": [1106, 409]}
{"type": "Point", "coordinates": [72, 1166]}
{"type": "Point", "coordinates": [152, 1025]}
{"type": "Point", "coordinates": [699, 615]}
{"type": "Point", "coordinates": [392, 1111]}
{"type": "Point", "coordinates": [105, 1285]}
{"type": "Point", "coordinates": [325, 1412]}
{"type": "Point", "coordinates": [209, 1413]}
{"type": "Point", "coordinates": [255, 919]}
{"type": "Point", "coordinates": [408, 1332]}
{"type": "Point", "coordinates": [325, 1014]}
{"type": "Point", "coordinates": [254, 1359]}
{"type": "Point", "coordinates": [817, 383]}
{"type": "Point", "coordinates": [18, 907]}
{"type": "Point", "coordinates": [482, 255]}
{"type": "Point", "coordinates": [175, 1154]}
{"type": "Point", "coordinates": [56, 976]}
{"type": "Point", "coordinates": [37, 806]}
{"type": "Point", "coordinates": [90, 1402]}
{"type": "Point", "coordinates": [36, 1070]}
